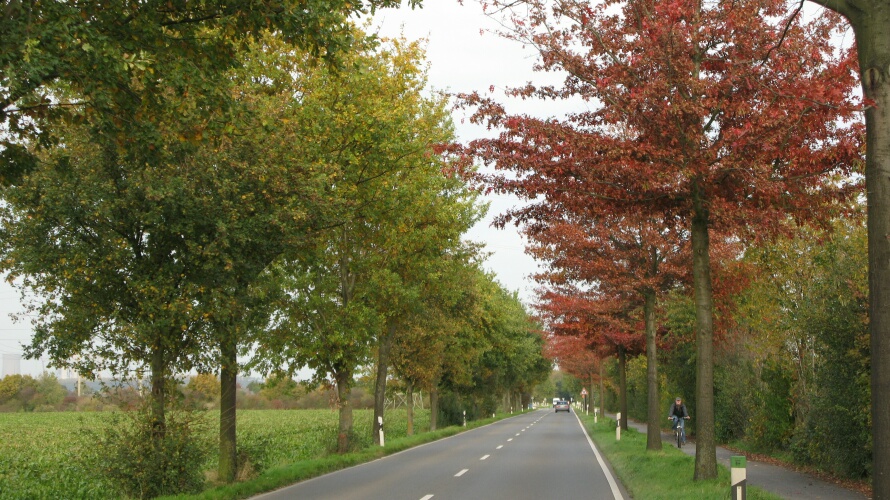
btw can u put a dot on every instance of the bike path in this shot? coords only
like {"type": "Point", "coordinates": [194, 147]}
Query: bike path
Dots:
{"type": "Point", "coordinates": [781, 481]}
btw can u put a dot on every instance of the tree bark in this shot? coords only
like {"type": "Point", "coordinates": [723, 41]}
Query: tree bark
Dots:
{"type": "Point", "coordinates": [228, 379]}
{"type": "Point", "coordinates": [871, 25]}
{"type": "Point", "coordinates": [344, 389]}
{"type": "Point", "coordinates": [653, 413]}
{"type": "Point", "coordinates": [602, 389]}
{"type": "Point", "coordinates": [622, 386]}
{"type": "Point", "coordinates": [870, 20]}
{"type": "Point", "coordinates": [384, 347]}
{"type": "Point", "coordinates": [705, 444]}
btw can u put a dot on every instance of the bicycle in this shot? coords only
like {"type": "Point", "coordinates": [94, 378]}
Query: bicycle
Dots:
{"type": "Point", "coordinates": [680, 431]}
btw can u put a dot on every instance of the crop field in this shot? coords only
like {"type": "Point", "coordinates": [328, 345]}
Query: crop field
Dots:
{"type": "Point", "coordinates": [42, 455]}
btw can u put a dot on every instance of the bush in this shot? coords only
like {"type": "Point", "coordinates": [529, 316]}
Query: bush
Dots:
{"type": "Point", "coordinates": [145, 465]}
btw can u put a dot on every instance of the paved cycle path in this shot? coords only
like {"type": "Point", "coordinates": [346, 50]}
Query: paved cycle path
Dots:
{"type": "Point", "coordinates": [784, 482]}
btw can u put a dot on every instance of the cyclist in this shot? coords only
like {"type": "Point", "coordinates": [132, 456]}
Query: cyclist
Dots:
{"type": "Point", "coordinates": [678, 414]}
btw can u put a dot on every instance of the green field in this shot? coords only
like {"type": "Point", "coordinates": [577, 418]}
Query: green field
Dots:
{"type": "Point", "coordinates": [42, 455]}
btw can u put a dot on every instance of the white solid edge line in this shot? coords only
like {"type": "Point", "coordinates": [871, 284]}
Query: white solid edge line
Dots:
{"type": "Point", "coordinates": [616, 493]}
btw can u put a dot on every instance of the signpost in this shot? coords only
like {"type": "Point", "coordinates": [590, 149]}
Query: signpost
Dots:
{"type": "Point", "coordinates": [738, 477]}
{"type": "Point", "coordinates": [584, 395]}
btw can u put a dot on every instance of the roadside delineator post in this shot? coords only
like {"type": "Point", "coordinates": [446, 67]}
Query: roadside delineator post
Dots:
{"type": "Point", "coordinates": [596, 412]}
{"type": "Point", "coordinates": [618, 428]}
{"type": "Point", "coordinates": [380, 421]}
{"type": "Point", "coordinates": [738, 477]}
{"type": "Point", "coordinates": [465, 418]}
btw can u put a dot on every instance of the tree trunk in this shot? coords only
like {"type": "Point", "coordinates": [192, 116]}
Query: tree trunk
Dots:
{"type": "Point", "coordinates": [383, 354]}
{"type": "Point", "coordinates": [653, 413]}
{"type": "Point", "coordinates": [871, 24]}
{"type": "Point", "coordinates": [434, 407]}
{"type": "Point", "coordinates": [602, 390]}
{"type": "Point", "coordinates": [228, 379]}
{"type": "Point", "coordinates": [622, 386]}
{"type": "Point", "coordinates": [158, 392]}
{"type": "Point", "coordinates": [409, 393]}
{"type": "Point", "coordinates": [343, 378]}
{"type": "Point", "coordinates": [705, 442]}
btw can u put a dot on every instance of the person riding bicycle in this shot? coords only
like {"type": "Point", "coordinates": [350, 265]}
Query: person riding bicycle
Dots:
{"type": "Point", "coordinates": [678, 413]}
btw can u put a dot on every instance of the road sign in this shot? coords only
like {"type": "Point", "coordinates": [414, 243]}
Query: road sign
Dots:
{"type": "Point", "coordinates": [583, 392]}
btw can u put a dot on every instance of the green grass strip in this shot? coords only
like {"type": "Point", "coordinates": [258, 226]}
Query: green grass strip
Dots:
{"type": "Point", "coordinates": [280, 477]}
{"type": "Point", "coordinates": [659, 475]}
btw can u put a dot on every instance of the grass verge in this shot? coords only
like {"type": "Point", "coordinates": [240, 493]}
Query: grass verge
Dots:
{"type": "Point", "coordinates": [280, 477]}
{"type": "Point", "coordinates": [665, 474]}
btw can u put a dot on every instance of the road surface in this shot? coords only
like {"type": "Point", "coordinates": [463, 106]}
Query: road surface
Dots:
{"type": "Point", "coordinates": [540, 454]}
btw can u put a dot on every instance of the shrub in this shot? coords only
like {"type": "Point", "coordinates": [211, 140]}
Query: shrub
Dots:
{"type": "Point", "coordinates": [129, 453]}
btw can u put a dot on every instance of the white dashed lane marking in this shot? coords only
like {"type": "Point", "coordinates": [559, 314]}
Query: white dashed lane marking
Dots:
{"type": "Point", "coordinates": [461, 473]}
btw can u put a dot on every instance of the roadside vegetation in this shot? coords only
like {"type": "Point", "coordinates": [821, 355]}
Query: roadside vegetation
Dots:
{"type": "Point", "coordinates": [659, 475]}
{"type": "Point", "coordinates": [54, 455]}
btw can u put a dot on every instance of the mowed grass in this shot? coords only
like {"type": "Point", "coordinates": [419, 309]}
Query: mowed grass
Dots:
{"type": "Point", "coordinates": [42, 455]}
{"type": "Point", "coordinates": [660, 475]}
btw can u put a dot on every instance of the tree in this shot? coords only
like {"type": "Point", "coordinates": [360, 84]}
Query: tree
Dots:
{"type": "Point", "coordinates": [869, 19]}
{"type": "Point", "coordinates": [420, 349]}
{"type": "Point", "coordinates": [620, 254]}
{"type": "Point", "coordinates": [205, 386]}
{"type": "Point", "coordinates": [114, 63]}
{"type": "Point", "coordinates": [155, 260]}
{"type": "Point", "coordinates": [689, 123]}
{"type": "Point", "coordinates": [576, 356]}
{"type": "Point", "coordinates": [805, 335]}
{"type": "Point", "coordinates": [390, 207]}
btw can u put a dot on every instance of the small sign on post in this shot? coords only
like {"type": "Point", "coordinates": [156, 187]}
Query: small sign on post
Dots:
{"type": "Point", "coordinates": [584, 395]}
{"type": "Point", "coordinates": [738, 477]}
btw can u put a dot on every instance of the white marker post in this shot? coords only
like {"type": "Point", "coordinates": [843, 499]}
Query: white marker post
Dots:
{"type": "Point", "coordinates": [618, 428]}
{"type": "Point", "coordinates": [596, 412]}
{"type": "Point", "coordinates": [465, 418]}
{"type": "Point", "coordinates": [738, 477]}
{"type": "Point", "coordinates": [380, 421]}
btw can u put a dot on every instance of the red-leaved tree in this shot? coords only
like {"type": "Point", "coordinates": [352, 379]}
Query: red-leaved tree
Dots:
{"type": "Point", "coordinates": [641, 258]}
{"type": "Point", "coordinates": [729, 115]}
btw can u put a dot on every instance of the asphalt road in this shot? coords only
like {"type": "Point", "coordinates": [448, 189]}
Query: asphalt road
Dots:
{"type": "Point", "coordinates": [541, 454]}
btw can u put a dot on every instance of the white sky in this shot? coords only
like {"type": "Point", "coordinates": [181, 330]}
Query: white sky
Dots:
{"type": "Point", "coordinates": [463, 56]}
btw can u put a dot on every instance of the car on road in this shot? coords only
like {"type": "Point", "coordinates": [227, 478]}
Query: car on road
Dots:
{"type": "Point", "coordinates": [562, 406]}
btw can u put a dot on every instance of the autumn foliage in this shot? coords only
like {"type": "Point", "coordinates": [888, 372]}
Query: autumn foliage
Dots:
{"type": "Point", "coordinates": [719, 120]}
